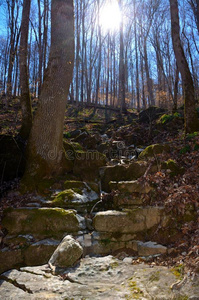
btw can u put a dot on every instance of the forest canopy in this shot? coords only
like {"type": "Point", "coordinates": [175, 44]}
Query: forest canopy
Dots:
{"type": "Point", "coordinates": [111, 37]}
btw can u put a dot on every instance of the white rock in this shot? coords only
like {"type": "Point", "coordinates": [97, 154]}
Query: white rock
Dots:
{"type": "Point", "coordinates": [67, 253]}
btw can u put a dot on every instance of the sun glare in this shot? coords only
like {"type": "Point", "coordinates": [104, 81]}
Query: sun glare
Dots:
{"type": "Point", "coordinates": [110, 16]}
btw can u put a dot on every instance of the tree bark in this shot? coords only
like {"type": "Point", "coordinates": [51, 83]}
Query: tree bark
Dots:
{"type": "Point", "coordinates": [191, 120]}
{"type": "Point", "coordinates": [46, 157]}
{"type": "Point", "coordinates": [121, 68]}
{"type": "Point", "coordinates": [24, 82]}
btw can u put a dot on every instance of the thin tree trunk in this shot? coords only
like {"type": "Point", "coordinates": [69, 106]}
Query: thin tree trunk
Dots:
{"type": "Point", "coordinates": [121, 68]}
{"type": "Point", "coordinates": [25, 99]}
{"type": "Point", "coordinates": [175, 94]}
{"type": "Point", "coordinates": [77, 54]}
{"type": "Point", "coordinates": [148, 79]}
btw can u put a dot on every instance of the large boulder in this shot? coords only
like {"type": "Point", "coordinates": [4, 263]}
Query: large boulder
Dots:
{"type": "Point", "coordinates": [67, 253]}
{"type": "Point", "coordinates": [153, 150]}
{"type": "Point", "coordinates": [40, 222]}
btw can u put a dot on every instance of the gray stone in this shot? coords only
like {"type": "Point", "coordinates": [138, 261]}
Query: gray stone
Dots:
{"type": "Point", "coordinates": [150, 248]}
{"type": "Point", "coordinates": [40, 252]}
{"type": "Point", "coordinates": [132, 221]}
{"type": "Point", "coordinates": [134, 186]}
{"type": "Point", "coordinates": [10, 259]}
{"type": "Point", "coordinates": [67, 253]}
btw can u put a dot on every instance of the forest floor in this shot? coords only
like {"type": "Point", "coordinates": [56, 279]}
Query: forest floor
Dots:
{"type": "Point", "coordinates": [174, 192]}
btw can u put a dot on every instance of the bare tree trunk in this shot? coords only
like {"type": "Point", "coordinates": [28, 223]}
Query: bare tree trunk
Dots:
{"type": "Point", "coordinates": [99, 58]}
{"type": "Point", "coordinates": [175, 94]}
{"type": "Point", "coordinates": [191, 120]}
{"type": "Point", "coordinates": [24, 76]}
{"type": "Point", "coordinates": [121, 68]}
{"type": "Point", "coordinates": [137, 63]}
{"type": "Point", "coordinates": [82, 58]}
{"type": "Point", "coordinates": [148, 79]}
{"type": "Point", "coordinates": [77, 54]}
{"type": "Point", "coordinates": [40, 48]}
{"type": "Point", "coordinates": [195, 7]}
{"type": "Point", "coordinates": [45, 148]}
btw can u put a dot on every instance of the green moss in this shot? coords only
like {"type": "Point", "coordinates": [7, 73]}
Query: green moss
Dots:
{"type": "Point", "coordinates": [155, 149]}
{"type": "Point", "coordinates": [173, 167]}
{"type": "Point", "coordinates": [190, 136]}
{"type": "Point", "coordinates": [181, 297]}
{"type": "Point", "coordinates": [63, 198]}
{"type": "Point", "coordinates": [185, 149]}
{"type": "Point", "coordinates": [114, 265]}
{"type": "Point", "coordinates": [165, 118]}
{"type": "Point", "coordinates": [76, 146]}
{"type": "Point", "coordinates": [155, 276]}
{"type": "Point", "coordinates": [178, 271]}
{"type": "Point", "coordinates": [136, 292]}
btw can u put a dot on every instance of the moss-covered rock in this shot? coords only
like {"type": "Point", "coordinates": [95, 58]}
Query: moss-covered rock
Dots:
{"type": "Point", "coordinates": [41, 222]}
{"type": "Point", "coordinates": [173, 166]}
{"type": "Point", "coordinates": [63, 198]}
{"type": "Point", "coordinates": [79, 196]}
{"type": "Point", "coordinates": [153, 150]}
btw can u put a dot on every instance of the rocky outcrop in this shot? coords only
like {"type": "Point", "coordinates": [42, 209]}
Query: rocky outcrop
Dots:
{"type": "Point", "coordinates": [132, 221]}
{"type": "Point", "coordinates": [121, 173]}
{"type": "Point", "coordinates": [99, 278]}
{"type": "Point", "coordinates": [40, 222]}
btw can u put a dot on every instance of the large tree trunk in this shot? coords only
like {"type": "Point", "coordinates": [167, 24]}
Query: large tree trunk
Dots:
{"type": "Point", "coordinates": [45, 148]}
{"type": "Point", "coordinates": [191, 120]}
{"type": "Point", "coordinates": [24, 82]}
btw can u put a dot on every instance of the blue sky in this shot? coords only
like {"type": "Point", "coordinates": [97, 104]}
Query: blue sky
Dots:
{"type": "Point", "coordinates": [3, 25]}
